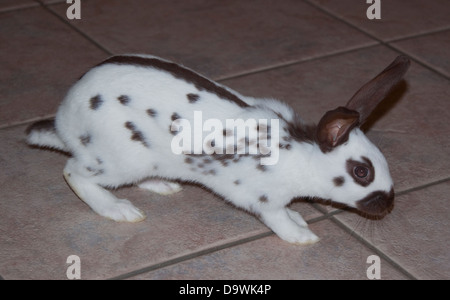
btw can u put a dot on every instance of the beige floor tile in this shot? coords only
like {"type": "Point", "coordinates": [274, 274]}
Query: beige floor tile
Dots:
{"type": "Point", "coordinates": [399, 18]}
{"type": "Point", "coordinates": [416, 234]}
{"type": "Point", "coordinates": [336, 256]}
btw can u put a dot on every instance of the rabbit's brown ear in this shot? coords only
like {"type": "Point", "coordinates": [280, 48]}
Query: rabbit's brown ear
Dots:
{"type": "Point", "coordinates": [372, 93]}
{"type": "Point", "coordinates": [334, 128]}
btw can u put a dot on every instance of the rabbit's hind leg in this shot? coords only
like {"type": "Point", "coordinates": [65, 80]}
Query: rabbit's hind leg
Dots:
{"type": "Point", "coordinates": [99, 199]}
{"type": "Point", "coordinates": [160, 186]}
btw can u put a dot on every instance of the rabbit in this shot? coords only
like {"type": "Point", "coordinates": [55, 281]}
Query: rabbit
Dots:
{"type": "Point", "coordinates": [122, 122]}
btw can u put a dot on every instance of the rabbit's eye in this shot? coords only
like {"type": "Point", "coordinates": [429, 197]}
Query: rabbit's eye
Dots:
{"type": "Point", "coordinates": [361, 172]}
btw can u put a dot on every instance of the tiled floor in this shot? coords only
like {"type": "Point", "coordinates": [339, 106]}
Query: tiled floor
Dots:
{"type": "Point", "coordinates": [313, 54]}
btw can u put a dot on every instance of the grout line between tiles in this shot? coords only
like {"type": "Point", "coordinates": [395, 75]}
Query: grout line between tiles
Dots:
{"type": "Point", "coordinates": [191, 256]}
{"type": "Point", "coordinates": [421, 187]}
{"type": "Point", "coordinates": [373, 248]}
{"type": "Point", "coordinates": [371, 35]}
{"type": "Point", "coordinates": [375, 39]}
{"type": "Point", "coordinates": [403, 38]}
{"type": "Point", "coordinates": [422, 62]}
{"type": "Point", "coordinates": [329, 215]}
{"type": "Point", "coordinates": [399, 193]}
{"type": "Point", "coordinates": [382, 42]}
{"type": "Point", "coordinates": [18, 8]}
{"type": "Point", "coordinates": [326, 215]}
{"type": "Point", "coordinates": [25, 122]}
{"type": "Point", "coordinates": [76, 29]}
{"type": "Point", "coordinates": [294, 62]}
{"type": "Point", "coordinates": [219, 79]}
{"type": "Point", "coordinates": [367, 243]}
{"type": "Point", "coordinates": [207, 251]}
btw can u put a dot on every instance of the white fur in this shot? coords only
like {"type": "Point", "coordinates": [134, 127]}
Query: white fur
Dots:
{"type": "Point", "coordinates": [112, 159]}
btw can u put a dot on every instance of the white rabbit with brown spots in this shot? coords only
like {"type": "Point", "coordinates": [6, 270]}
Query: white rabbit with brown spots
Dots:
{"type": "Point", "coordinates": [121, 121]}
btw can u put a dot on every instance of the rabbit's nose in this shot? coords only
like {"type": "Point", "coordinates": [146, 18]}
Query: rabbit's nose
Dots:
{"type": "Point", "coordinates": [378, 203]}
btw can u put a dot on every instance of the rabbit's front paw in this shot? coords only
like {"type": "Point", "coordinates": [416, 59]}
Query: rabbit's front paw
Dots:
{"type": "Point", "coordinates": [301, 236]}
{"type": "Point", "coordinates": [296, 217]}
{"type": "Point", "coordinates": [289, 226]}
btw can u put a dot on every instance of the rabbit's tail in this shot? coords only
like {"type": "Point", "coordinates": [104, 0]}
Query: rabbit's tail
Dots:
{"type": "Point", "coordinates": [43, 134]}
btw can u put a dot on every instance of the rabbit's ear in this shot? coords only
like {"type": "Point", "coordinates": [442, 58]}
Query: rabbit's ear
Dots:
{"type": "Point", "coordinates": [372, 93]}
{"type": "Point", "coordinates": [335, 126]}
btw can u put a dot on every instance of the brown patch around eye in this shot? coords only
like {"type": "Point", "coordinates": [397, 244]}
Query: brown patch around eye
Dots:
{"type": "Point", "coordinates": [362, 172]}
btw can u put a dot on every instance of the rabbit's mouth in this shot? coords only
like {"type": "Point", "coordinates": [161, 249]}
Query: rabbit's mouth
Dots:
{"type": "Point", "coordinates": [377, 204]}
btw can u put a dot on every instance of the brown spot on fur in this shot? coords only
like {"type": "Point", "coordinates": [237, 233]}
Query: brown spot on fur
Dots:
{"type": "Point", "coordinates": [136, 135]}
{"type": "Point", "coordinates": [227, 132]}
{"type": "Point", "coordinates": [262, 168]}
{"type": "Point", "coordinates": [285, 146]}
{"type": "Point", "coordinates": [172, 132]}
{"type": "Point", "coordinates": [175, 116]}
{"type": "Point", "coordinates": [85, 139]}
{"type": "Point", "coordinates": [124, 99]}
{"type": "Point", "coordinates": [95, 102]}
{"type": "Point", "coordinates": [263, 199]}
{"type": "Point", "coordinates": [95, 172]}
{"type": "Point", "coordinates": [339, 181]}
{"type": "Point", "coordinates": [151, 112]}
{"type": "Point", "coordinates": [193, 98]}
{"type": "Point", "coordinates": [129, 125]}
{"type": "Point", "coordinates": [299, 131]}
